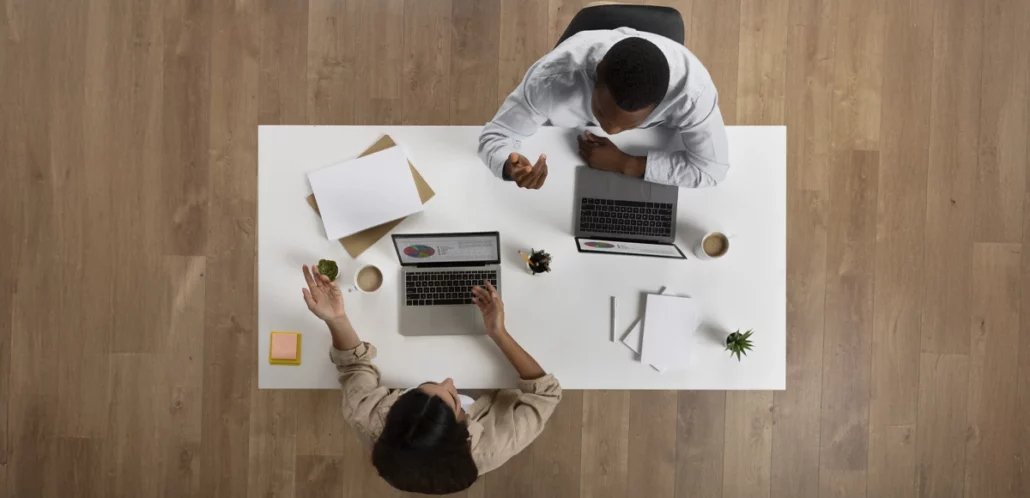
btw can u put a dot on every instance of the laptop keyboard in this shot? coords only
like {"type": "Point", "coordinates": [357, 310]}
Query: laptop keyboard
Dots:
{"type": "Point", "coordinates": [434, 288]}
{"type": "Point", "coordinates": [651, 219]}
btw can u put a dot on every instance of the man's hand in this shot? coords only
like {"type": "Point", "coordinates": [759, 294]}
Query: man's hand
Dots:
{"type": "Point", "coordinates": [323, 297]}
{"type": "Point", "coordinates": [600, 153]}
{"type": "Point", "coordinates": [526, 175]}
{"type": "Point", "coordinates": [491, 306]}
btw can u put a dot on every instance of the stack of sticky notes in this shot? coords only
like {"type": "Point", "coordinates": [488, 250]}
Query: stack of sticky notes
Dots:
{"type": "Point", "coordinates": [284, 348]}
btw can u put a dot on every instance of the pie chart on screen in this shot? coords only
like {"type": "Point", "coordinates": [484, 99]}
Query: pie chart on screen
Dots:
{"type": "Point", "coordinates": [419, 251]}
{"type": "Point", "coordinates": [599, 245]}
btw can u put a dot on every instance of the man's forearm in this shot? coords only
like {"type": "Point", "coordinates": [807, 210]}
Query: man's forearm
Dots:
{"type": "Point", "coordinates": [343, 333]}
{"type": "Point", "coordinates": [524, 364]}
{"type": "Point", "coordinates": [635, 166]}
{"type": "Point", "coordinates": [494, 148]}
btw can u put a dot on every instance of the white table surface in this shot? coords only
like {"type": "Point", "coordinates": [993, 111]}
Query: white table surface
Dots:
{"type": "Point", "coordinates": [562, 317]}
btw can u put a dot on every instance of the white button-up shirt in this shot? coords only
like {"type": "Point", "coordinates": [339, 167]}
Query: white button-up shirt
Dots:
{"type": "Point", "coordinates": [558, 88]}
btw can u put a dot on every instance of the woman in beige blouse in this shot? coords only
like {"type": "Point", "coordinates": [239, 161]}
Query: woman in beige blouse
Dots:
{"type": "Point", "coordinates": [424, 439]}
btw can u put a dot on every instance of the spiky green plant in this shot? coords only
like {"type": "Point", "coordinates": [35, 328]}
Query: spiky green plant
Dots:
{"type": "Point", "coordinates": [738, 344]}
{"type": "Point", "coordinates": [328, 268]}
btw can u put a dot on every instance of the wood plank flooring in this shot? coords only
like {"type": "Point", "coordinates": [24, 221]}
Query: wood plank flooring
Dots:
{"type": "Point", "coordinates": [128, 156]}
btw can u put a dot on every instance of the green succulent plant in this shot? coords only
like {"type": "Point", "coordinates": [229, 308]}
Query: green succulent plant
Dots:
{"type": "Point", "coordinates": [739, 344]}
{"type": "Point", "coordinates": [328, 268]}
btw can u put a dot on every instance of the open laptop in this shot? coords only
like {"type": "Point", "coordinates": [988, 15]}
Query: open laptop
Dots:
{"type": "Point", "coordinates": [438, 271]}
{"type": "Point", "coordinates": [619, 214]}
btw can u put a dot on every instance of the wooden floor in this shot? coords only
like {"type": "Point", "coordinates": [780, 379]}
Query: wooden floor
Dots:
{"type": "Point", "coordinates": [127, 246]}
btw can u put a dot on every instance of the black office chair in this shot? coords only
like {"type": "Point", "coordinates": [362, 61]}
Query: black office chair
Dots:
{"type": "Point", "coordinates": [664, 21]}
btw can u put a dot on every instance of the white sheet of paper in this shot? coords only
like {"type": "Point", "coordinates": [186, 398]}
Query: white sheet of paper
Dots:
{"type": "Point", "coordinates": [631, 339]}
{"type": "Point", "coordinates": [670, 323]}
{"type": "Point", "coordinates": [364, 192]}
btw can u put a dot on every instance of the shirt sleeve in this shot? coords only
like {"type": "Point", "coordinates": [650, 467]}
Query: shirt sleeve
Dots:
{"type": "Point", "coordinates": [704, 161]}
{"type": "Point", "coordinates": [364, 406]}
{"type": "Point", "coordinates": [518, 119]}
{"type": "Point", "coordinates": [515, 419]}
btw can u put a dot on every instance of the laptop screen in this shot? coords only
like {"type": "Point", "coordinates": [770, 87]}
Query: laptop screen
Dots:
{"type": "Point", "coordinates": [448, 248]}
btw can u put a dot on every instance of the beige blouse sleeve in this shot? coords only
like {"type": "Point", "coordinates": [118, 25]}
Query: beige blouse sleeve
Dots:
{"type": "Point", "coordinates": [365, 401]}
{"type": "Point", "coordinates": [512, 420]}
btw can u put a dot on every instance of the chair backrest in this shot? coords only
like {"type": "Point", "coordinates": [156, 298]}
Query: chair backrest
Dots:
{"type": "Point", "coordinates": [660, 20]}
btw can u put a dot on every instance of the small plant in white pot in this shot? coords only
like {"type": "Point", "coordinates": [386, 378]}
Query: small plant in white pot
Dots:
{"type": "Point", "coordinates": [738, 343]}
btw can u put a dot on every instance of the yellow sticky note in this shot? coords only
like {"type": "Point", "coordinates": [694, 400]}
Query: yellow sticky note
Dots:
{"type": "Point", "coordinates": [284, 348]}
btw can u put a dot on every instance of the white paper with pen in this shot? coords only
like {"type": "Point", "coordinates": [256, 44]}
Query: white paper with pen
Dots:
{"type": "Point", "coordinates": [632, 338]}
{"type": "Point", "coordinates": [364, 192]}
{"type": "Point", "coordinates": [670, 323]}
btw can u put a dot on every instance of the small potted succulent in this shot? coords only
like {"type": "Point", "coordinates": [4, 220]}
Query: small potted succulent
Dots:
{"type": "Point", "coordinates": [328, 268]}
{"type": "Point", "coordinates": [738, 343]}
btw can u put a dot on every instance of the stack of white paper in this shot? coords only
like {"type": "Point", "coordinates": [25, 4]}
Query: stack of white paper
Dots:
{"type": "Point", "coordinates": [669, 326]}
{"type": "Point", "coordinates": [634, 336]}
{"type": "Point", "coordinates": [365, 192]}
{"type": "Point", "coordinates": [665, 338]}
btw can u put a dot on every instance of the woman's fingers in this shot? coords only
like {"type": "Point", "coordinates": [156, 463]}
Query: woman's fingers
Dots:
{"type": "Point", "coordinates": [308, 278]}
{"type": "Point", "coordinates": [481, 293]}
{"type": "Point", "coordinates": [308, 299]}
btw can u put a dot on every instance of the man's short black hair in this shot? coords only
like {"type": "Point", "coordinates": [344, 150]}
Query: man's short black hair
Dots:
{"type": "Point", "coordinates": [636, 73]}
{"type": "Point", "coordinates": [423, 448]}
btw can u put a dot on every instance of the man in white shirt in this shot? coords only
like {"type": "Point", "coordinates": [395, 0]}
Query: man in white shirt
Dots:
{"type": "Point", "coordinates": [619, 80]}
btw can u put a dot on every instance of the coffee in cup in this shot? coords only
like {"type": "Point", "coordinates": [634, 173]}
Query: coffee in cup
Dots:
{"type": "Point", "coordinates": [368, 279]}
{"type": "Point", "coordinates": [713, 245]}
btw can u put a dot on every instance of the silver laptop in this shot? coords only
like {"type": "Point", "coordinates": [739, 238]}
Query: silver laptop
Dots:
{"type": "Point", "coordinates": [615, 207]}
{"type": "Point", "coordinates": [438, 271]}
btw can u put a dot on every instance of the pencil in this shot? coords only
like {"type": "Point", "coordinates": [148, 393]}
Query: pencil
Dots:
{"type": "Point", "coordinates": [528, 262]}
{"type": "Point", "coordinates": [615, 312]}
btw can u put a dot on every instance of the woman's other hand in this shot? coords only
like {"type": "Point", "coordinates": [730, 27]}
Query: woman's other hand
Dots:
{"type": "Point", "coordinates": [323, 297]}
{"type": "Point", "coordinates": [491, 306]}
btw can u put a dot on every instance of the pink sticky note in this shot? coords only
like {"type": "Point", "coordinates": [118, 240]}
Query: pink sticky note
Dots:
{"type": "Point", "coordinates": [284, 346]}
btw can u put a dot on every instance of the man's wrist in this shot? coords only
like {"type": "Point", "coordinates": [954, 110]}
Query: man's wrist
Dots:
{"type": "Point", "coordinates": [506, 171]}
{"type": "Point", "coordinates": [634, 166]}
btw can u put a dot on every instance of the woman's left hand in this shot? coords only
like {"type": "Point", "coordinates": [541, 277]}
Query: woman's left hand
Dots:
{"type": "Point", "coordinates": [323, 297]}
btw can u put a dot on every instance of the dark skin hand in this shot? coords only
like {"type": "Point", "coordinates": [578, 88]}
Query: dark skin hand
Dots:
{"type": "Point", "coordinates": [526, 175]}
{"type": "Point", "coordinates": [600, 153]}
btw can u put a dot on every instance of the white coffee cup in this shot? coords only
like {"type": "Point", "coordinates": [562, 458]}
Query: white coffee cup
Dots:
{"type": "Point", "coordinates": [367, 280]}
{"type": "Point", "coordinates": [713, 245]}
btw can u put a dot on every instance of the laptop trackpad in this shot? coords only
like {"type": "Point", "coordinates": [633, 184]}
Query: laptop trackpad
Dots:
{"type": "Point", "coordinates": [441, 320]}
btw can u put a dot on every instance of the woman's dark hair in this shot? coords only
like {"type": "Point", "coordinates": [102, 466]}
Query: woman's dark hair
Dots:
{"type": "Point", "coordinates": [423, 448]}
{"type": "Point", "coordinates": [636, 73]}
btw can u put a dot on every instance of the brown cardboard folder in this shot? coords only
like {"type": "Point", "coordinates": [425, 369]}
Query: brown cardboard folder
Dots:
{"type": "Point", "coordinates": [357, 243]}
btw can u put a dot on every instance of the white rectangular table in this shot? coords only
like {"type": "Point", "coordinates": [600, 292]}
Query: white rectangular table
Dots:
{"type": "Point", "coordinates": [562, 317]}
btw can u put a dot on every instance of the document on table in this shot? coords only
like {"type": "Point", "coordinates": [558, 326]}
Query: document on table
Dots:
{"type": "Point", "coordinates": [631, 339]}
{"type": "Point", "coordinates": [365, 192]}
{"type": "Point", "coordinates": [670, 326]}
